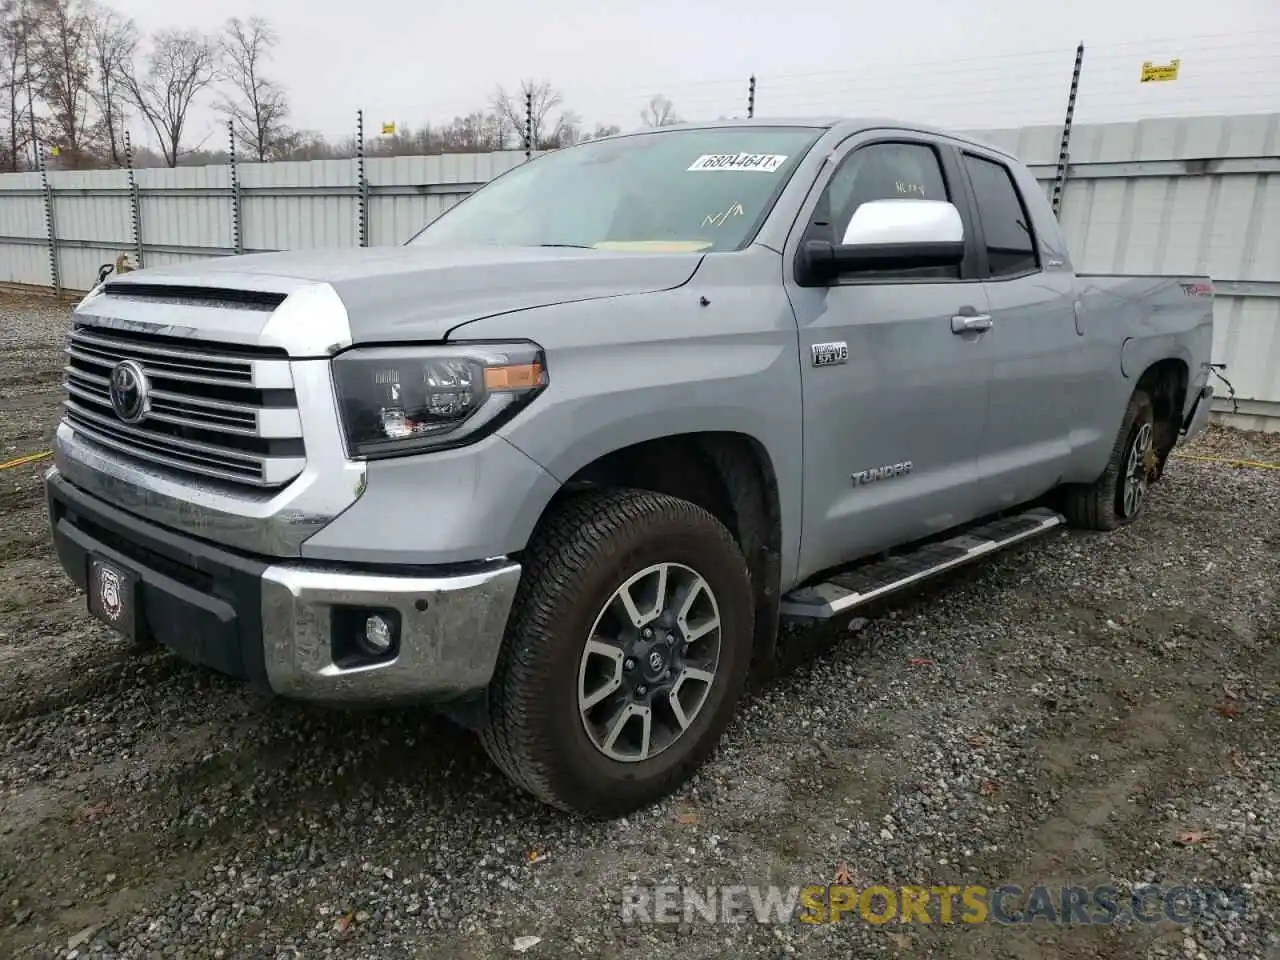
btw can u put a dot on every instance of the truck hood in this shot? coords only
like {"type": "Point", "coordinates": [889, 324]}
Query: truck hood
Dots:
{"type": "Point", "coordinates": [404, 293]}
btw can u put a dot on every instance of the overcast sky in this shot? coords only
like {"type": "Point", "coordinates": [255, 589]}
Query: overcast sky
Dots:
{"type": "Point", "coordinates": [959, 63]}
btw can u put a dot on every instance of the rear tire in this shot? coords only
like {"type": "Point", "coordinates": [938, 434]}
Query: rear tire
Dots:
{"type": "Point", "coordinates": [1118, 496]}
{"type": "Point", "coordinates": [556, 700]}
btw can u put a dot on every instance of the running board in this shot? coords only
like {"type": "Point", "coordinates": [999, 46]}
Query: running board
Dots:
{"type": "Point", "coordinates": [871, 581]}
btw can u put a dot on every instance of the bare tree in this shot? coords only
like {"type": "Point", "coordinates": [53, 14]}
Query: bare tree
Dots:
{"type": "Point", "coordinates": [182, 63]}
{"type": "Point", "coordinates": [113, 40]}
{"type": "Point", "coordinates": [405, 142]}
{"type": "Point", "coordinates": [22, 31]}
{"type": "Point", "coordinates": [606, 130]}
{"type": "Point", "coordinates": [659, 112]}
{"type": "Point", "coordinates": [258, 106]}
{"type": "Point", "coordinates": [565, 133]}
{"type": "Point", "coordinates": [29, 27]}
{"type": "Point", "coordinates": [310, 145]}
{"type": "Point", "coordinates": [12, 34]}
{"type": "Point", "coordinates": [547, 133]}
{"type": "Point", "coordinates": [490, 132]}
{"type": "Point", "coordinates": [62, 47]}
{"type": "Point", "coordinates": [478, 132]}
{"type": "Point", "coordinates": [603, 130]}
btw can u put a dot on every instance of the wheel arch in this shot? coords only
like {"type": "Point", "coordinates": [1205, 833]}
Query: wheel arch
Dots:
{"type": "Point", "coordinates": [729, 474]}
{"type": "Point", "coordinates": [1166, 382]}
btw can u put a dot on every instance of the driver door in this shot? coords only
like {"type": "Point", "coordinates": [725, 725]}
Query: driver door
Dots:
{"type": "Point", "coordinates": [892, 433]}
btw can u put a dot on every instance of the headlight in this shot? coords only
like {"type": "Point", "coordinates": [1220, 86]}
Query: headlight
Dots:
{"type": "Point", "coordinates": [399, 400]}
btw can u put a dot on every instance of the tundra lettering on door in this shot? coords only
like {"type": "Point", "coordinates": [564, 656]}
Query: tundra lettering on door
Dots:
{"type": "Point", "coordinates": [882, 473]}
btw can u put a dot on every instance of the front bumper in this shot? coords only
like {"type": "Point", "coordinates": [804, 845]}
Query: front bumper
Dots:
{"type": "Point", "coordinates": [274, 624]}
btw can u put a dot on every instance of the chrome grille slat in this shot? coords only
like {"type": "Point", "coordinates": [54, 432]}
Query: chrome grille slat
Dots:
{"type": "Point", "coordinates": [259, 374]}
{"type": "Point", "coordinates": [241, 370]}
{"type": "Point", "coordinates": [201, 412]}
{"type": "Point", "coordinates": [163, 413]}
{"type": "Point", "coordinates": [159, 439]}
{"type": "Point", "coordinates": [130, 448]}
{"type": "Point", "coordinates": [212, 420]}
{"type": "Point", "coordinates": [225, 408]}
{"type": "Point", "coordinates": [87, 393]}
{"type": "Point", "coordinates": [96, 379]}
{"type": "Point", "coordinates": [161, 367]}
{"type": "Point", "coordinates": [157, 369]}
{"type": "Point", "coordinates": [208, 414]}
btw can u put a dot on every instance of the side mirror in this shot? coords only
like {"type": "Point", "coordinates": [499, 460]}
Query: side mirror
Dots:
{"type": "Point", "coordinates": [888, 235]}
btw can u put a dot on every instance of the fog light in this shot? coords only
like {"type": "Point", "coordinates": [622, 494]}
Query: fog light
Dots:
{"type": "Point", "coordinates": [379, 635]}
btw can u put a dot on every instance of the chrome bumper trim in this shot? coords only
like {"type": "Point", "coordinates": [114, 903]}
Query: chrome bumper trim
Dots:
{"type": "Point", "coordinates": [451, 630]}
{"type": "Point", "coordinates": [269, 523]}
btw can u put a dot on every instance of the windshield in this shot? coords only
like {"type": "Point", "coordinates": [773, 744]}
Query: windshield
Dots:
{"type": "Point", "coordinates": [667, 190]}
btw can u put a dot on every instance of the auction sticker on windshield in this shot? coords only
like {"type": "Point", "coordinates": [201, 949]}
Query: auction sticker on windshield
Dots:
{"type": "Point", "coordinates": [759, 162]}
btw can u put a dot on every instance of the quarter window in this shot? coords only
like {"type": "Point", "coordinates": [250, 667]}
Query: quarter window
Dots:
{"type": "Point", "coordinates": [1011, 247]}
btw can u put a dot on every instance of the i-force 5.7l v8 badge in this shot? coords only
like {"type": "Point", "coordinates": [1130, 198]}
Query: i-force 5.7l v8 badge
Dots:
{"type": "Point", "coordinates": [826, 354]}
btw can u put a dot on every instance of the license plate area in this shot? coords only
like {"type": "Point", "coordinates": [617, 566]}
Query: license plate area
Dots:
{"type": "Point", "coordinates": [113, 596]}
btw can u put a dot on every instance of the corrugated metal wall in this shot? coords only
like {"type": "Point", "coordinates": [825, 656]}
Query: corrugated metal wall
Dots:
{"type": "Point", "coordinates": [90, 204]}
{"type": "Point", "coordinates": [289, 206]}
{"type": "Point", "coordinates": [25, 259]}
{"type": "Point", "coordinates": [408, 192]}
{"type": "Point", "coordinates": [1197, 195]}
{"type": "Point", "coordinates": [188, 213]}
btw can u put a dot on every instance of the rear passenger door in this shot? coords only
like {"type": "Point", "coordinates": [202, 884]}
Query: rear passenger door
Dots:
{"type": "Point", "coordinates": [1027, 443]}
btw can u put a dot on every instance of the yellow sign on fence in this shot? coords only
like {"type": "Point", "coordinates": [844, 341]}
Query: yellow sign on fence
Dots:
{"type": "Point", "coordinates": [1159, 72]}
{"type": "Point", "coordinates": [388, 129]}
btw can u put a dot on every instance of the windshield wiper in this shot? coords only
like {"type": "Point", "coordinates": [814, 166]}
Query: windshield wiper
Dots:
{"type": "Point", "coordinates": [575, 246]}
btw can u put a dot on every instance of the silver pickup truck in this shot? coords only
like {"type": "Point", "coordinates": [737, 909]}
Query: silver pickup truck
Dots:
{"type": "Point", "coordinates": [564, 462]}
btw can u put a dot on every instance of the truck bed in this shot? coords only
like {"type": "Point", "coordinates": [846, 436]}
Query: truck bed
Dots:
{"type": "Point", "coordinates": [1150, 317]}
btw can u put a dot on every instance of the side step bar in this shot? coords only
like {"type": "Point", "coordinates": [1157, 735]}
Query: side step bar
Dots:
{"type": "Point", "coordinates": [871, 581]}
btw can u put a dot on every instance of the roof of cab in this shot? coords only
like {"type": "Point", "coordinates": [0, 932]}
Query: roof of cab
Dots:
{"type": "Point", "coordinates": [843, 125]}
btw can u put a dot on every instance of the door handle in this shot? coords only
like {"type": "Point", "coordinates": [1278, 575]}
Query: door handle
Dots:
{"type": "Point", "coordinates": [971, 323]}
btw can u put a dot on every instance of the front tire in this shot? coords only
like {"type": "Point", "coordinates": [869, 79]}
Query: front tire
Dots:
{"type": "Point", "coordinates": [1118, 496]}
{"type": "Point", "coordinates": [625, 655]}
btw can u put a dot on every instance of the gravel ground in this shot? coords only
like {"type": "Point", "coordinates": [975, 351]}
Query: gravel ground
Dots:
{"type": "Point", "coordinates": [1091, 709]}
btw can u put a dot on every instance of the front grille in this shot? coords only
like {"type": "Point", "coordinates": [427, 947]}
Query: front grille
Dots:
{"type": "Point", "coordinates": [224, 412]}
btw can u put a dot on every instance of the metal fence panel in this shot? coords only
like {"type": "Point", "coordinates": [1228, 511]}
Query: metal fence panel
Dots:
{"type": "Point", "coordinates": [409, 192]}
{"type": "Point", "coordinates": [185, 214]}
{"type": "Point", "coordinates": [93, 221]}
{"type": "Point", "coordinates": [298, 205]}
{"type": "Point", "coordinates": [24, 255]}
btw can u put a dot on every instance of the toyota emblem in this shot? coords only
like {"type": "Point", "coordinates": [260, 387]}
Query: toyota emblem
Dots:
{"type": "Point", "coordinates": [129, 391]}
{"type": "Point", "coordinates": [655, 660]}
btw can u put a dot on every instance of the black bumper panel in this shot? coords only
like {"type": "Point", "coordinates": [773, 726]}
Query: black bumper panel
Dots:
{"type": "Point", "coordinates": [201, 601]}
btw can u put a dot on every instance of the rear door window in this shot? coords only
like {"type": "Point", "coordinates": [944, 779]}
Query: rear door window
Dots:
{"type": "Point", "coordinates": [1011, 247]}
